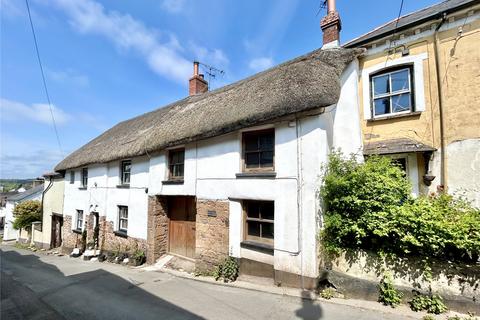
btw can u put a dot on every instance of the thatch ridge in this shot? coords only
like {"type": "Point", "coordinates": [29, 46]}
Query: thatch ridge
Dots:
{"type": "Point", "coordinates": [304, 83]}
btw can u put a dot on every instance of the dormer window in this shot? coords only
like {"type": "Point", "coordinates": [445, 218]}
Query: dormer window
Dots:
{"type": "Point", "coordinates": [84, 177]}
{"type": "Point", "coordinates": [392, 91]}
{"type": "Point", "coordinates": [176, 163]}
{"type": "Point", "coordinates": [125, 168]}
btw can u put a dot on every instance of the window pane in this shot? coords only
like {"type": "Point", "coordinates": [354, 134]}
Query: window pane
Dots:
{"type": "Point", "coordinates": [266, 159]}
{"type": "Point", "coordinates": [401, 162]}
{"type": "Point", "coordinates": [401, 102]}
{"type": "Point", "coordinates": [381, 85]}
{"type": "Point", "coordinates": [253, 209]}
{"type": "Point", "coordinates": [126, 177]}
{"type": "Point", "coordinates": [267, 209]}
{"type": "Point", "coordinates": [253, 228]}
{"type": "Point", "coordinates": [267, 230]}
{"type": "Point", "coordinates": [252, 160]}
{"type": "Point", "coordinates": [266, 142]}
{"type": "Point", "coordinates": [251, 143]}
{"type": "Point", "coordinates": [124, 224]}
{"type": "Point", "coordinates": [400, 80]}
{"type": "Point", "coordinates": [382, 106]}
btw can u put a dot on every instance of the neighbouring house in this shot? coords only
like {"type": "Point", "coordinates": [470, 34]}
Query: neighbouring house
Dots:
{"type": "Point", "coordinates": [3, 203]}
{"type": "Point", "coordinates": [11, 233]}
{"type": "Point", "coordinates": [419, 96]}
{"type": "Point", "coordinates": [48, 234]}
{"type": "Point", "coordinates": [231, 172]}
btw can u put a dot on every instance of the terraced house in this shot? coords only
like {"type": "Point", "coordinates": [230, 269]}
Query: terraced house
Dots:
{"type": "Point", "coordinates": [236, 171]}
{"type": "Point", "coordinates": [420, 94]}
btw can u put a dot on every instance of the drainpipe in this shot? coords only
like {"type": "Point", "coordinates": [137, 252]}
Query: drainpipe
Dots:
{"type": "Point", "coordinates": [443, 152]}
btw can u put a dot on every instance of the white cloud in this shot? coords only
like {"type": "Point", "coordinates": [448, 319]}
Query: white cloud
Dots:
{"type": "Point", "coordinates": [28, 163]}
{"type": "Point", "coordinates": [69, 77]}
{"type": "Point", "coordinates": [214, 57]}
{"type": "Point", "coordinates": [173, 6]}
{"type": "Point", "coordinates": [163, 57]}
{"type": "Point", "coordinates": [12, 8]}
{"type": "Point", "coordinates": [38, 112]}
{"type": "Point", "coordinates": [260, 64]}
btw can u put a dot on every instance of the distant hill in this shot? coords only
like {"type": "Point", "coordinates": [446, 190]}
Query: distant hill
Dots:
{"type": "Point", "coordinates": [9, 184]}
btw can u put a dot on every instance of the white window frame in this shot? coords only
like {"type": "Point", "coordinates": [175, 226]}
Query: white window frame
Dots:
{"type": "Point", "coordinates": [122, 172]}
{"type": "Point", "coordinates": [79, 217]}
{"type": "Point", "coordinates": [418, 82]}
{"type": "Point", "coordinates": [391, 94]}
{"type": "Point", "coordinates": [124, 230]}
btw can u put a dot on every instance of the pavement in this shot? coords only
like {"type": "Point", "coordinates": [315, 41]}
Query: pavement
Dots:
{"type": "Point", "coordinates": [39, 286]}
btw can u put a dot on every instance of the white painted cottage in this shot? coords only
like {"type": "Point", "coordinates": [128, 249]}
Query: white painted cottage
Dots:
{"type": "Point", "coordinates": [231, 172]}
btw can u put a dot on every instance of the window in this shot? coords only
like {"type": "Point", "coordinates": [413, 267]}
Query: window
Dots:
{"type": "Point", "coordinates": [84, 177]}
{"type": "Point", "coordinates": [176, 162]}
{"type": "Point", "coordinates": [123, 218]}
{"type": "Point", "coordinates": [259, 217]}
{"type": "Point", "coordinates": [72, 177]}
{"type": "Point", "coordinates": [392, 92]}
{"type": "Point", "coordinates": [125, 168]}
{"type": "Point", "coordinates": [79, 224]}
{"type": "Point", "coordinates": [258, 150]}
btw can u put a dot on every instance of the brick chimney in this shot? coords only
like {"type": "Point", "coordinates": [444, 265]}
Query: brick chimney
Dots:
{"type": "Point", "coordinates": [331, 26]}
{"type": "Point", "coordinates": [197, 84]}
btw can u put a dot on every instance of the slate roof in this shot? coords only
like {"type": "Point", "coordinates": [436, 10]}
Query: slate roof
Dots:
{"type": "Point", "coordinates": [22, 195]}
{"type": "Point", "coordinates": [407, 21]}
{"type": "Point", "coordinates": [402, 145]}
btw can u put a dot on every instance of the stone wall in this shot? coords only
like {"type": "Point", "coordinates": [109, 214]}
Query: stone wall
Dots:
{"type": "Point", "coordinates": [70, 239]}
{"type": "Point", "coordinates": [157, 232]}
{"type": "Point", "coordinates": [211, 233]}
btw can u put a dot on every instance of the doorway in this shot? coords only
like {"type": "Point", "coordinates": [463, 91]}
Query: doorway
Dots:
{"type": "Point", "coordinates": [56, 237]}
{"type": "Point", "coordinates": [96, 229]}
{"type": "Point", "coordinates": [182, 213]}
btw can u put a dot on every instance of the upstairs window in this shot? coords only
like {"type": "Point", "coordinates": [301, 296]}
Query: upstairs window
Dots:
{"type": "Point", "coordinates": [176, 163]}
{"type": "Point", "coordinates": [123, 218]}
{"type": "Point", "coordinates": [259, 221]}
{"type": "Point", "coordinates": [258, 150]}
{"type": "Point", "coordinates": [72, 177]}
{"type": "Point", "coordinates": [84, 177]}
{"type": "Point", "coordinates": [125, 168]}
{"type": "Point", "coordinates": [392, 92]}
{"type": "Point", "coordinates": [79, 222]}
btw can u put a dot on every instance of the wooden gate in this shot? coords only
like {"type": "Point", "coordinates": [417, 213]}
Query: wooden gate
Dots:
{"type": "Point", "coordinates": [182, 213]}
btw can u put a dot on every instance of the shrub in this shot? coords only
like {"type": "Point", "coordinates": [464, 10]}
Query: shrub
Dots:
{"type": "Point", "coordinates": [228, 270]}
{"type": "Point", "coordinates": [27, 212]}
{"type": "Point", "coordinates": [428, 317]}
{"type": "Point", "coordinates": [327, 293]}
{"type": "Point", "coordinates": [430, 303]}
{"type": "Point", "coordinates": [368, 206]}
{"type": "Point", "coordinates": [388, 295]}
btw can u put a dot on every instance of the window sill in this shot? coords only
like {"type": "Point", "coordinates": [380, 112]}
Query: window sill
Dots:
{"type": "Point", "coordinates": [177, 181]}
{"type": "Point", "coordinates": [122, 234]}
{"type": "Point", "coordinates": [257, 246]}
{"type": "Point", "coordinates": [396, 116]}
{"type": "Point", "coordinates": [257, 175]}
{"type": "Point", "coordinates": [82, 188]}
{"type": "Point", "coordinates": [123, 186]}
{"type": "Point", "coordinates": [77, 231]}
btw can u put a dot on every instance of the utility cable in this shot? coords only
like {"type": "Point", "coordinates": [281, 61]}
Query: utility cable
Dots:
{"type": "Point", "coordinates": [43, 78]}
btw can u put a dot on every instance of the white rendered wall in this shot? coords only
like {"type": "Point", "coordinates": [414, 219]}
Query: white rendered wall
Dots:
{"type": "Point", "coordinates": [103, 196]}
{"type": "Point", "coordinates": [9, 232]}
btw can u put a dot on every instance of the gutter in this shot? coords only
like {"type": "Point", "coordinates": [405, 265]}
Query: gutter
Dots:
{"type": "Point", "coordinates": [443, 156]}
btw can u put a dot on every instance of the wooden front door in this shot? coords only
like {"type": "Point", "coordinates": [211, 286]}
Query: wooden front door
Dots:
{"type": "Point", "coordinates": [182, 214]}
{"type": "Point", "coordinates": [56, 239]}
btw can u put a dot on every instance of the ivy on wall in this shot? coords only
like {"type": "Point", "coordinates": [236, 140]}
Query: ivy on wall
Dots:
{"type": "Point", "coordinates": [368, 206]}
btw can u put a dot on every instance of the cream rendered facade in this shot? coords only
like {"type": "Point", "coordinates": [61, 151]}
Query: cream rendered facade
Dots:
{"type": "Point", "coordinates": [458, 40]}
{"type": "Point", "coordinates": [52, 205]}
{"type": "Point", "coordinates": [211, 169]}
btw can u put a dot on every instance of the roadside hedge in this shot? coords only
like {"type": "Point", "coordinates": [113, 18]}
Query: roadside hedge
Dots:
{"type": "Point", "coordinates": [25, 213]}
{"type": "Point", "coordinates": [369, 206]}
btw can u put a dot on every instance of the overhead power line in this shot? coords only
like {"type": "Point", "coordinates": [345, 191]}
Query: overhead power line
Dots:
{"type": "Point", "coordinates": [43, 78]}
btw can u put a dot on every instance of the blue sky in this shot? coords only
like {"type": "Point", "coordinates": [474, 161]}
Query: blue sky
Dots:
{"type": "Point", "coordinates": [107, 61]}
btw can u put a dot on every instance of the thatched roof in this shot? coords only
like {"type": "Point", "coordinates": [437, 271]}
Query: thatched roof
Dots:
{"type": "Point", "coordinates": [305, 83]}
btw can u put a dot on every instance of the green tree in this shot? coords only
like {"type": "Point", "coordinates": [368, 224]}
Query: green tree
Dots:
{"type": "Point", "coordinates": [27, 212]}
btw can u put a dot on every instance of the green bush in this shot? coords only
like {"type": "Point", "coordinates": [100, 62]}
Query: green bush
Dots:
{"type": "Point", "coordinates": [430, 303]}
{"type": "Point", "coordinates": [387, 294]}
{"type": "Point", "coordinates": [228, 270]}
{"type": "Point", "coordinates": [368, 206]}
{"type": "Point", "coordinates": [27, 212]}
{"type": "Point", "coordinates": [327, 293]}
{"type": "Point", "coordinates": [428, 317]}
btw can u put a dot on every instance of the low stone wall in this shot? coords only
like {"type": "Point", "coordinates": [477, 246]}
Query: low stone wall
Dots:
{"type": "Point", "coordinates": [211, 233]}
{"type": "Point", "coordinates": [357, 275]}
